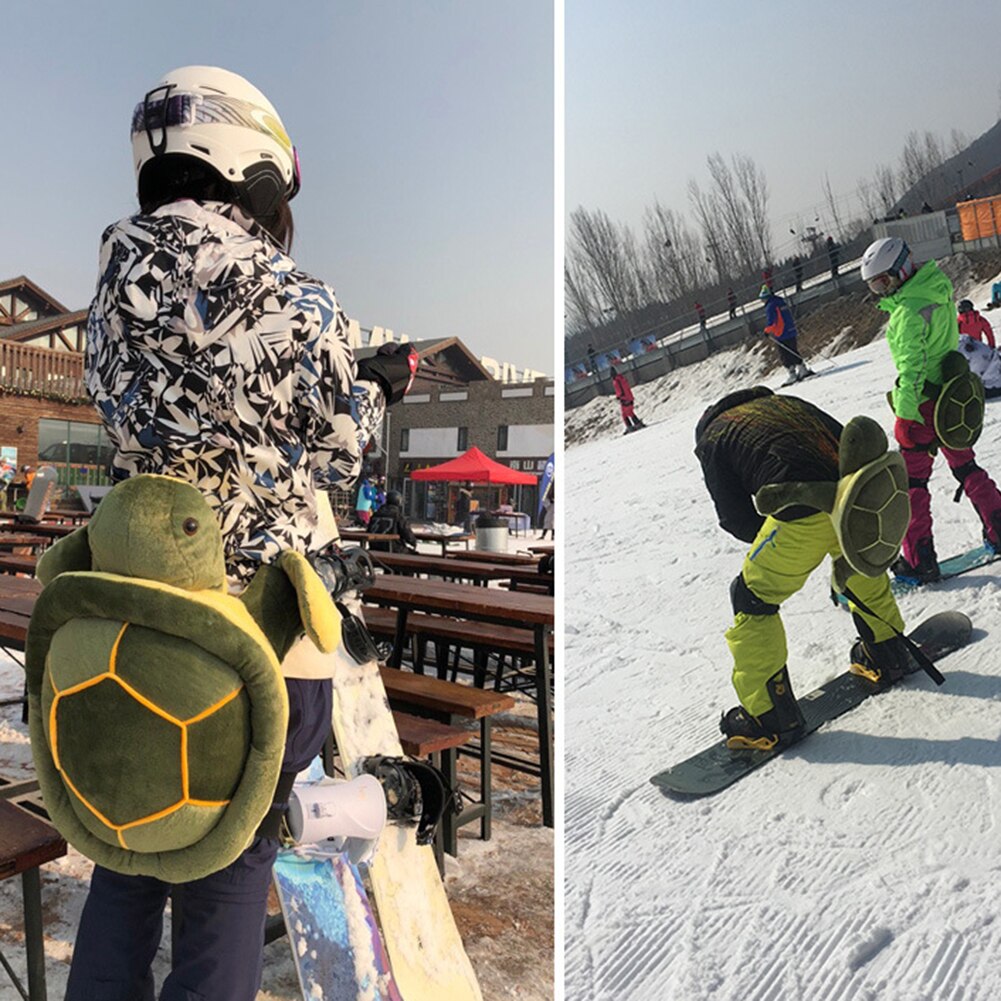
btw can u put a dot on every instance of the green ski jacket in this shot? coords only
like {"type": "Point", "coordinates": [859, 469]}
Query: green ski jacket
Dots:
{"type": "Point", "coordinates": [923, 330]}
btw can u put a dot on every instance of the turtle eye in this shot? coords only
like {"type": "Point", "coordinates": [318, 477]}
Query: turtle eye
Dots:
{"type": "Point", "coordinates": [190, 526]}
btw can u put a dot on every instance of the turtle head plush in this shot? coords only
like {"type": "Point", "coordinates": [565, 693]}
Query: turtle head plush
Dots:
{"type": "Point", "coordinates": [159, 528]}
{"type": "Point", "coordinates": [869, 504]}
{"type": "Point", "coordinates": [152, 527]}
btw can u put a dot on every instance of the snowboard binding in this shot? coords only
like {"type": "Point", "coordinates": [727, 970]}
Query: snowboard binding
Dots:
{"type": "Point", "coordinates": [416, 793]}
{"type": "Point", "coordinates": [344, 570]}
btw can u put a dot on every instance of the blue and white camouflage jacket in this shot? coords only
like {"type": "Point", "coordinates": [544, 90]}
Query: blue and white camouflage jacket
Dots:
{"type": "Point", "coordinates": [211, 358]}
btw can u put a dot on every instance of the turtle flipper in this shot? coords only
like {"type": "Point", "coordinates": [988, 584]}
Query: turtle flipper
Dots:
{"type": "Point", "coordinates": [288, 597]}
{"type": "Point", "coordinates": [71, 552]}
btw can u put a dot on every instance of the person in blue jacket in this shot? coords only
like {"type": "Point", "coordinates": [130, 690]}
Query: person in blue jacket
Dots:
{"type": "Point", "coordinates": [780, 325]}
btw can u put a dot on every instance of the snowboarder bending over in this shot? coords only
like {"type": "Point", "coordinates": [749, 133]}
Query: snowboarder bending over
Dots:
{"type": "Point", "coordinates": [624, 394]}
{"type": "Point", "coordinates": [921, 333]}
{"type": "Point", "coordinates": [779, 323]}
{"type": "Point", "coordinates": [778, 469]}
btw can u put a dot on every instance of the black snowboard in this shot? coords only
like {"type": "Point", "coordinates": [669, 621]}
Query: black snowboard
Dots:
{"type": "Point", "coordinates": [717, 767]}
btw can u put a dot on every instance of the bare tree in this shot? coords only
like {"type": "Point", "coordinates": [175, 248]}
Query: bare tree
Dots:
{"type": "Point", "coordinates": [581, 306]}
{"type": "Point", "coordinates": [754, 187]}
{"type": "Point", "coordinates": [714, 237]}
{"type": "Point", "coordinates": [868, 199]}
{"type": "Point", "coordinates": [604, 261]}
{"type": "Point", "coordinates": [733, 213]}
{"type": "Point", "coordinates": [674, 257]}
{"type": "Point", "coordinates": [885, 187]}
{"type": "Point", "coordinates": [958, 141]}
{"type": "Point", "coordinates": [832, 204]}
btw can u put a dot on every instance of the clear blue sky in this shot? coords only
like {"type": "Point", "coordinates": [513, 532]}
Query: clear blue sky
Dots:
{"type": "Point", "coordinates": [425, 131]}
{"type": "Point", "coordinates": [804, 88]}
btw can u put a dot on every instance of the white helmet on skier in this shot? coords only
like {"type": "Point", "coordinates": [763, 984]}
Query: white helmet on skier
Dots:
{"type": "Point", "coordinates": [219, 118]}
{"type": "Point", "coordinates": [887, 264]}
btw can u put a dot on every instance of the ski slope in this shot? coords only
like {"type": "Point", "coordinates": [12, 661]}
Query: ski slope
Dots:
{"type": "Point", "coordinates": [863, 864]}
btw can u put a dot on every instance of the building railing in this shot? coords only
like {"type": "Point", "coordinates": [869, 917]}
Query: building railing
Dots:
{"type": "Point", "coordinates": [42, 372]}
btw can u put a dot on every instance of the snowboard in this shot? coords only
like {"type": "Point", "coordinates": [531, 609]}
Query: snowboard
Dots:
{"type": "Point", "coordinates": [975, 558]}
{"type": "Point", "coordinates": [336, 946]}
{"type": "Point", "coordinates": [717, 767]}
{"type": "Point", "coordinates": [43, 488]}
{"type": "Point", "coordinates": [425, 950]}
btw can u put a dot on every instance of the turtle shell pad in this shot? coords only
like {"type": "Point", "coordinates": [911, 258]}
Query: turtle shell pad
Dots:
{"type": "Point", "coordinates": [173, 718]}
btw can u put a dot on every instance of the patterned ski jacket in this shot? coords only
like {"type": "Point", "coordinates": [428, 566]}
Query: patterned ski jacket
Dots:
{"type": "Point", "coordinates": [778, 319]}
{"type": "Point", "coordinates": [211, 358]}
{"type": "Point", "coordinates": [753, 437]}
{"type": "Point", "coordinates": [921, 332]}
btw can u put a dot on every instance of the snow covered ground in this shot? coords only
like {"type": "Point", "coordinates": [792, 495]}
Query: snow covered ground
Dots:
{"type": "Point", "coordinates": [864, 863]}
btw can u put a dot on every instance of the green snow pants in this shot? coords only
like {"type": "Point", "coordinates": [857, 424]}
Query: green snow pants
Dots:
{"type": "Point", "coordinates": [782, 557]}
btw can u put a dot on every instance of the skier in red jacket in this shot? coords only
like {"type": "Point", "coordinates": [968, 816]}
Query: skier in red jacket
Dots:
{"type": "Point", "coordinates": [624, 394]}
{"type": "Point", "coordinates": [973, 324]}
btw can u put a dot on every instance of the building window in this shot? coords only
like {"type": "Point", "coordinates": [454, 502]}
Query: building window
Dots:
{"type": "Point", "coordinates": [404, 439]}
{"type": "Point", "coordinates": [462, 442]}
{"type": "Point", "coordinates": [502, 438]}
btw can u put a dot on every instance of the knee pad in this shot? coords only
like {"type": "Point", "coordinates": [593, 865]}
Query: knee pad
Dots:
{"type": "Point", "coordinates": [743, 599]}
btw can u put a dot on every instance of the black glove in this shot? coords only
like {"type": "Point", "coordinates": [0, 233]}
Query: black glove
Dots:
{"type": "Point", "coordinates": [393, 367]}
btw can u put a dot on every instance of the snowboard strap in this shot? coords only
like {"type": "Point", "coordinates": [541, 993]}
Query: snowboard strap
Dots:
{"type": "Point", "coordinates": [923, 661]}
{"type": "Point", "coordinates": [416, 793]}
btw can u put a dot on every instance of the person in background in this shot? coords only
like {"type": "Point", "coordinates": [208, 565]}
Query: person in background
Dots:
{"type": "Point", "coordinates": [780, 325]}
{"type": "Point", "coordinates": [365, 501]}
{"type": "Point", "coordinates": [731, 303]}
{"type": "Point", "coordinates": [973, 324]}
{"type": "Point", "coordinates": [797, 273]}
{"type": "Point", "coordinates": [700, 312]}
{"type": "Point", "coordinates": [211, 357]}
{"type": "Point", "coordinates": [549, 510]}
{"type": "Point", "coordinates": [766, 277]}
{"type": "Point", "coordinates": [624, 394]}
{"type": "Point", "coordinates": [984, 362]}
{"type": "Point", "coordinates": [833, 255]}
{"type": "Point", "coordinates": [463, 501]}
{"type": "Point", "coordinates": [922, 330]}
{"type": "Point", "coordinates": [592, 359]}
{"type": "Point", "coordinates": [389, 519]}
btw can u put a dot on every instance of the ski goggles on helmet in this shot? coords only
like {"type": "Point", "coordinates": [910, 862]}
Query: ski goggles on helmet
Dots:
{"type": "Point", "coordinates": [161, 110]}
{"type": "Point", "coordinates": [883, 284]}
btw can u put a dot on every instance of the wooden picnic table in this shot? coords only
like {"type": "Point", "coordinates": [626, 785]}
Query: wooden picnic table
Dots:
{"type": "Point", "coordinates": [11, 563]}
{"type": "Point", "coordinates": [484, 556]}
{"type": "Point", "coordinates": [542, 547]}
{"type": "Point", "coordinates": [17, 599]}
{"type": "Point", "coordinates": [475, 570]}
{"type": "Point", "coordinates": [51, 529]}
{"type": "Point", "coordinates": [14, 541]}
{"type": "Point", "coordinates": [363, 537]}
{"type": "Point", "coordinates": [512, 608]}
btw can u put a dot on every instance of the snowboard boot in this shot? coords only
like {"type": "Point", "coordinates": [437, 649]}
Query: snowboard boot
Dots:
{"type": "Point", "coordinates": [993, 545]}
{"type": "Point", "coordinates": [782, 724]}
{"type": "Point", "coordinates": [924, 571]}
{"type": "Point", "coordinates": [802, 372]}
{"type": "Point", "coordinates": [883, 664]}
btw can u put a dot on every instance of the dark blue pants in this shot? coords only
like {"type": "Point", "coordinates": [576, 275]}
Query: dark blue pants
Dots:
{"type": "Point", "coordinates": [219, 954]}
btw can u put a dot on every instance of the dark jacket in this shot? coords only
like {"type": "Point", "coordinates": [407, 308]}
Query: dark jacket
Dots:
{"type": "Point", "coordinates": [390, 520]}
{"type": "Point", "coordinates": [753, 437]}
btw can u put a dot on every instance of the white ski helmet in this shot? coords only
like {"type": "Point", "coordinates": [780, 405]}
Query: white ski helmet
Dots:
{"type": "Point", "coordinates": [220, 118]}
{"type": "Point", "coordinates": [887, 264]}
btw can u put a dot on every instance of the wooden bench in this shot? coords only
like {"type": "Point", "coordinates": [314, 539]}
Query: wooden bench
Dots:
{"type": "Point", "coordinates": [448, 702]}
{"type": "Point", "coordinates": [26, 842]}
{"type": "Point", "coordinates": [482, 638]}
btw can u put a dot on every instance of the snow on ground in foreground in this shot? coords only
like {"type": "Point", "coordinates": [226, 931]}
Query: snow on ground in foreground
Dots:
{"type": "Point", "coordinates": [863, 864]}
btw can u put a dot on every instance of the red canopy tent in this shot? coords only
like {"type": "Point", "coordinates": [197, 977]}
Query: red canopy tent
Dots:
{"type": "Point", "coordinates": [474, 467]}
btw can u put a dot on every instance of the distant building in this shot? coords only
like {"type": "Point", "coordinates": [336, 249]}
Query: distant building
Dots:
{"type": "Point", "coordinates": [454, 404]}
